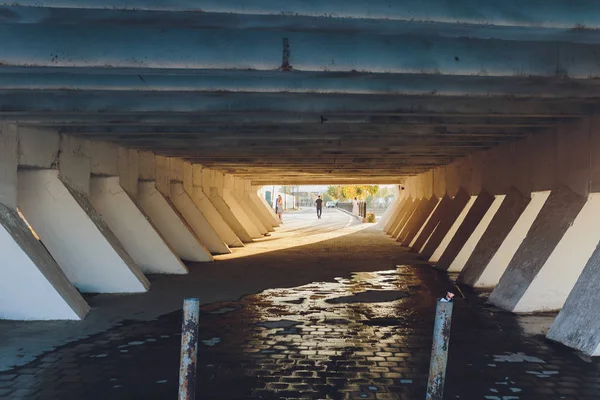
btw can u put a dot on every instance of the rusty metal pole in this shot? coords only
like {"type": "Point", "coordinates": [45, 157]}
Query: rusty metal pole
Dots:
{"type": "Point", "coordinates": [439, 351]}
{"type": "Point", "coordinates": [189, 349]}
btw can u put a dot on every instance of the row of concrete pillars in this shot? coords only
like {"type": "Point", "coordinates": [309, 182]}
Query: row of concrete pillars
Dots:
{"type": "Point", "coordinates": [79, 216]}
{"type": "Point", "coordinates": [536, 250]}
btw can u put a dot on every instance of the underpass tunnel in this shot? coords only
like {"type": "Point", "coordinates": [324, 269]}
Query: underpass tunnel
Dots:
{"type": "Point", "coordinates": [136, 138]}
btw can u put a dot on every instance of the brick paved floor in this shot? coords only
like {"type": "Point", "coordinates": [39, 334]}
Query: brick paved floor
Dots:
{"type": "Point", "coordinates": [365, 335]}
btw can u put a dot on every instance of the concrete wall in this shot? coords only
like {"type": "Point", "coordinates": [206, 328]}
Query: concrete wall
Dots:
{"type": "Point", "coordinates": [537, 233]}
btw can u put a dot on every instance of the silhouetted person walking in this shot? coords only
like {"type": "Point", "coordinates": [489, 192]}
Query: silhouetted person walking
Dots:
{"type": "Point", "coordinates": [319, 204]}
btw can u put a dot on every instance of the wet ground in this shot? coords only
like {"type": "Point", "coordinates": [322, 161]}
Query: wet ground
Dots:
{"type": "Point", "coordinates": [361, 329]}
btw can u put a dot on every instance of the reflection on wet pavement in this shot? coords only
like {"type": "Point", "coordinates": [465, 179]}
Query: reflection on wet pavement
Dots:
{"type": "Point", "coordinates": [304, 342]}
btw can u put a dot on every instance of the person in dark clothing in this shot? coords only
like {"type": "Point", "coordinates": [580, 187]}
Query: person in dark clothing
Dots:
{"type": "Point", "coordinates": [319, 204]}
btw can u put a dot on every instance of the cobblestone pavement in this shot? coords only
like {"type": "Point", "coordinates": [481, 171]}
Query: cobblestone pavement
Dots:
{"type": "Point", "coordinates": [361, 336]}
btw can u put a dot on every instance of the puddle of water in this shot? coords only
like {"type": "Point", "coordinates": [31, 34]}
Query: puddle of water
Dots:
{"type": "Point", "coordinates": [371, 296]}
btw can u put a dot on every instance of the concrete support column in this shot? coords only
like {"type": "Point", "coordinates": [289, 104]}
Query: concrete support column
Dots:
{"type": "Point", "coordinates": [404, 220]}
{"type": "Point", "coordinates": [79, 240]}
{"type": "Point", "coordinates": [137, 234]}
{"type": "Point", "coordinates": [213, 186]}
{"type": "Point", "coordinates": [418, 220]}
{"type": "Point", "coordinates": [577, 325]}
{"type": "Point", "coordinates": [467, 250]}
{"type": "Point", "coordinates": [439, 238]}
{"type": "Point", "coordinates": [472, 217]}
{"type": "Point", "coordinates": [397, 206]}
{"type": "Point", "coordinates": [400, 216]}
{"type": "Point", "coordinates": [557, 214]}
{"type": "Point", "coordinates": [32, 285]}
{"type": "Point", "coordinates": [263, 207]}
{"type": "Point", "coordinates": [228, 195]}
{"type": "Point", "coordinates": [171, 224]}
{"type": "Point", "coordinates": [431, 224]}
{"type": "Point", "coordinates": [170, 176]}
{"type": "Point", "coordinates": [425, 224]}
{"type": "Point", "coordinates": [192, 183]}
{"type": "Point", "coordinates": [506, 231]}
{"type": "Point", "coordinates": [239, 193]}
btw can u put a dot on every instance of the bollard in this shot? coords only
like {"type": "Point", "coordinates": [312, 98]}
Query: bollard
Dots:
{"type": "Point", "coordinates": [439, 351]}
{"type": "Point", "coordinates": [189, 349]}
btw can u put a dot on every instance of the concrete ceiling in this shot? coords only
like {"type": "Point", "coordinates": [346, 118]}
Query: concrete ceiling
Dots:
{"type": "Point", "coordinates": [301, 91]}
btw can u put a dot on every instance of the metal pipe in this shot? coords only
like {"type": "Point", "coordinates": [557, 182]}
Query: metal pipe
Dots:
{"type": "Point", "coordinates": [189, 349]}
{"type": "Point", "coordinates": [439, 350]}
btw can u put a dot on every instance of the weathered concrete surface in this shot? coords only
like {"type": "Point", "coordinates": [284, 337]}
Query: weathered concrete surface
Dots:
{"type": "Point", "coordinates": [404, 220]}
{"type": "Point", "coordinates": [200, 225]}
{"type": "Point", "coordinates": [240, 213]}
{"type": "Point", "coordinates": [133, 229]}
{"type": "Point", "coordinates": [171, 224]}
{"type": "Point", "coordinates": [399, 215]}
{"type": "Point", "coordinates": [257, 210]}
{"type": "Point", "coordinates": [32, 285]}
{"type": "Point", "coordinates": [263, 209]}
{"type": "Point", "coordinates": [473, 218]}
{"type": "Point", "coordinates": [74, 233]}
{"type": "Point", "coordinates": [9, 156]}
{"type": "Point", "coordinates": [418, 220]}
{"type": "Point", "coordinates": [555, 217]}
{"type": "Point", "coordinates": [467, 250]}
{"type": "Point", "coordinates": [550, 287]}
{"type": "Point", "coordinates": [439, 251]}
{"type": "Point", "coordinates": [422, 238]}
{"type": "Point", "coordinates": [228, 215]}
{"type": "Point", "coordinates": [501, 225]}
{"type": "Point", "coordinates": [577, 325]}
{"type": "Point", "coordinates": [446, 221]}
{"type": "Point", "coordinates": [394, 210]}
{"type": "Point", "coordinates": [417, 210]}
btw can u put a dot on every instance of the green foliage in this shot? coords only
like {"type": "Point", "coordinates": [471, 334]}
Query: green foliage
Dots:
{"type": "Point", "coordinates": [349, 192]}
{"type": "Point", "coordinates": [371, 217]}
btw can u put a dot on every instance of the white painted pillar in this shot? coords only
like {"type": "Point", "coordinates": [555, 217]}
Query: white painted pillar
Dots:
{"type": "Point", "coordinates": [268, 211]}
{"type": "Point", "coordinates": [132, 228]}
{"type": "Point", "coordinates": [32, 285]}
{"type": "Point", "coordinates": [498, 264]}
{"type": "Point", "coordinates": [463, 255]}
{"type": "Point", "coordinates": [170, 224]}
{"type": "Point", "coordinates": [75, 234]}
{"type": "Point", "coordinates": [577, 325]}
{"type": "Point", "coordinates": [412, 243]}
{"type": "Point", "coordinates": [450, 234]}
{"type": "Point", "coordinates": [212, 183]}
{"type": "Point", "coordinates": [551, 286]}
{"type": "Point", "coordinates": [199, 224]}
{"type": "Point", "coordinates": [240, 214]}
{"type": "Point", "coordinates": [239, 193]}
{"type": "Point", "coordinates": [259, 210]}
{"type": "Point", "coordinates": [192, 183]}
{"type": "Point", "coordinates": [388, 212]}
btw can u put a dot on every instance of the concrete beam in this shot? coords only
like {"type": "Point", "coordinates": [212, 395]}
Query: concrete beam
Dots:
{"type": "Point", "coordinates": [78, 45]}
{"type": "Point", "coordinates": [558, 13]}
{"type": "Point", "coordinates": [133, 229]}
{"type": "Point", "coordinates": [549, 227]}
{"type": "Point", "coordinates": [74, 233]}
{"type": "Point", "coordinates": [169, 222]}
{"type": "Point", "coordinates": [200, 80]}
{"type": "Point", "coordinates": [41, 101]}
{"type": "Point", "coordinates": [8, 164]}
